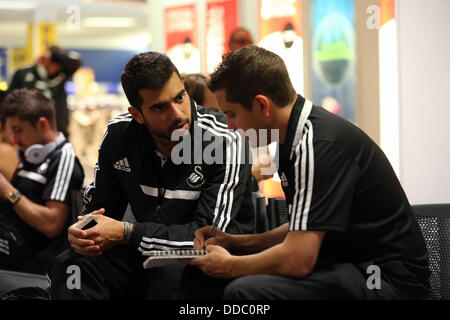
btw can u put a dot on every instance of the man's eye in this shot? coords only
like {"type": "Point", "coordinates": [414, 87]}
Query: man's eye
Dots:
{"type": "Point", "coordinates": [157, 108]}
{"type": "Point", "coordinates": [180, 98]}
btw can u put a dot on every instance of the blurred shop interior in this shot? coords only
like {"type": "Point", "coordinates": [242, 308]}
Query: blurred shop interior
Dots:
{"type": "Point", "coordinates": [381, 64]}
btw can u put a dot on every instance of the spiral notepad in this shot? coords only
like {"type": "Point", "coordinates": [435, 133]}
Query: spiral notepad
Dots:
{"type": "Point", "coordinates": [158, 258]}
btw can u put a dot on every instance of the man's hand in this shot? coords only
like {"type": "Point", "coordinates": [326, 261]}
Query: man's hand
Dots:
{"type": "Point", "coordinates": [5, 187]}
{"type": "Point", "coordinates": [106, 234]}
{"type": "Point", "coordinates": [217, 263]}
{"type": "Point", "coordinates": [219, 238]}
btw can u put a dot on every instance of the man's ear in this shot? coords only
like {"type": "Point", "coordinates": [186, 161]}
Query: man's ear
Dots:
{"type": "Point", "coordinates": [262, 103]}
{"type": "Point", "coordinates": [42, 125]}
{"type": "Point", "coordinates": [136, 114]}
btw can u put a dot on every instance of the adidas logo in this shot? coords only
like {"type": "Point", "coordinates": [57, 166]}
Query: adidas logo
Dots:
{"type": "Point", "coordinates": [284, 181]}
{"type": "Point", "coordinates": [122, 165]}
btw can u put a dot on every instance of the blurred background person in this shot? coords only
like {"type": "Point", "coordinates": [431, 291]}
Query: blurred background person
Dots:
{"type": "Point", "coordinates": [49, 75]}
{"type": "Point", "coordinates": [196, 86]}
{"type": "Point", "coordinates": [8, 154]}
{"type": "Point", "coordinates": [239, 38]}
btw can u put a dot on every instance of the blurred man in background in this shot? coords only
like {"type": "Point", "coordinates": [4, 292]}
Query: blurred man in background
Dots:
{"type": "Point", "coordinates": [49, 75]}
{"type": "Point", "coordinates": [239, 38]}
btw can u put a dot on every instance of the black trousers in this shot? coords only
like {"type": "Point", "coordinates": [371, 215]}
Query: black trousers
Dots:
{"type": "Point", "coordinates": [342, 281]}
{"type": "Point", "coordinates": [15, 251]}
{"type": "Point", "coordinates": [118, 274]}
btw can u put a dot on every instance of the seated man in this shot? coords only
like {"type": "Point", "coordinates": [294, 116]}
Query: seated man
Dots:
{"type": "Point", "coordinates": [139, 164]}
{"type": "Point", "coordinates": [352, 233]}
{"type": "Point", "coordinates": [35, 206]}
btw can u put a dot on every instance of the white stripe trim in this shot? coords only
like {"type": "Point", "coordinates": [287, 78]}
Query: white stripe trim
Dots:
{"type": "Point", "coordinates": [61, 165]}
{"type": "Point", "coordinates": [309, 191]}
{"type": "Point", "coordinates": [302, 197]}
{"type": "Point", "coordinates": [150, 191]}
{"type": "Point", "coordinates": [224, 188]}
{"type": "Point", "coordinates": [307, 107]}
{"type": "Point", "coordinates": [4, 251]}
{"type": "Point", "coordinates": [64, 173]}
{"type": "Point", "coordinates": [182, 194]}
{"type": "Point", "coordinates": [4, 245]}
{"type": "Point", "coordinates": [213, 118]}
{"type": "Point", "coordinates": [172, 194]}
{"type": "Point", "coordinates": [168, 242]}
{"type": "Point", "coordinates": [32, 176]}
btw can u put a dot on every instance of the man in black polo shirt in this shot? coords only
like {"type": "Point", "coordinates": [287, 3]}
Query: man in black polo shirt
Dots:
{"type": "Point", "coordinates": [35, 206]}
{"type": "Point", "coordinates": [352, 233]}
{"type": "Point", "coordinates": [140, 165]}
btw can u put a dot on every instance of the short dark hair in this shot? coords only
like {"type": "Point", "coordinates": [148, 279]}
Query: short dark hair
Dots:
{"type": "Point", "coordinates": [28, 105]}
{"type": "Point", "coordinates": [195, 85]}
{"type": "Point", "coordinates": [250, 71]}
{"type": "Point", "coordinates": [148, 70]}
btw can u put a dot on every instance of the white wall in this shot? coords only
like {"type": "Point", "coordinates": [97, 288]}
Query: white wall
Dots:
{"type": "Point", "coordinates": [424, 71]}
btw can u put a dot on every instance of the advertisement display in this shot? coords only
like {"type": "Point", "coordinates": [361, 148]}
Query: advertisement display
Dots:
{"type": "Point", "coordinates": [389, 86]}
{"type": "Point", "coordinates": [334, 56]}
{"type": "Point", "coordinates": [221, 20]}
{"type": "Point", "coordinates": [3, 68]}
{"type": "Point", "coordinates": [181, 38]}
{"type": "Point", "coordinates": [281, 31]}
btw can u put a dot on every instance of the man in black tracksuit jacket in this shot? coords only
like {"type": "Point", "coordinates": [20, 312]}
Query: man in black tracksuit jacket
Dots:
{"type": "Point", "coordinates": [139, 165]}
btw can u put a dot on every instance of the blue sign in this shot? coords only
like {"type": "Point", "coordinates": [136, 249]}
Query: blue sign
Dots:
{"type": "Point", "coordinates": [334, 56]}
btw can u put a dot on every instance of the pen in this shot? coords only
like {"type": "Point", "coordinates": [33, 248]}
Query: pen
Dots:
{"type": "Point", "coordinates": [216, 222]}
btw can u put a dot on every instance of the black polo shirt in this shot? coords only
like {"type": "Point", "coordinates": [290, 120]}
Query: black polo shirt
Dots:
{"type": "Point", "coordinates": [336, 179]}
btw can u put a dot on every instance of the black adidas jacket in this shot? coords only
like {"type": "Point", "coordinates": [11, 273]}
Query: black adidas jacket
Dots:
{"type": "Point", "coordinates": [171, 202]}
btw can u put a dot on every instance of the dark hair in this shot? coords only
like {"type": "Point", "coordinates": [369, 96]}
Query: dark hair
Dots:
{"type": "Point", "coordinates": [148, 70]}
{"type": "Point", "coordinates": [250, 71]}
{"type": "Point", "coordinates": [195, 85]}
{"type": "Point", "coordinates": [28, 105]}
{"type": "Point", "coordinates": [70, 61]}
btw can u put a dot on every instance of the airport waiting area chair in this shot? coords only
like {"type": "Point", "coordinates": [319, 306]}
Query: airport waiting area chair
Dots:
{"type": "Point", "coordinates": [434, 222]}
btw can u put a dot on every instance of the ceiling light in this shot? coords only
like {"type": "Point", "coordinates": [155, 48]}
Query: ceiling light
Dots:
{"type": "Point", "coordinates": [109, 22]}
{"type": "Point", "coordinates": [17, 5]}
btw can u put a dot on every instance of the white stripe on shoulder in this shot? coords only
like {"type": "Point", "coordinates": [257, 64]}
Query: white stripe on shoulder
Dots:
{"type": "Point", "coordinates": [121, 118]}
{"type": "Point", "coordinates": [64, 173]}
{"type": "Point", "coordinates": [213, 118]}
{"type": "Point", "coordinates": [307, 107]}
{"type": "Point", "coordinates": [309, 190]}
{"type": "Point", "coordinates": [304, 180]}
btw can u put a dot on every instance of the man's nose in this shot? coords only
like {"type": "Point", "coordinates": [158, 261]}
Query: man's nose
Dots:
{"type": "Point", "coordinates": [176, 111]}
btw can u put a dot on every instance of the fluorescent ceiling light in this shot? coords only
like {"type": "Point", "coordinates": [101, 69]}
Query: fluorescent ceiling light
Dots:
{"type": "Point", "coordinates": [109, 22]}
{"type": "Point", "coordinates": [17, 5]}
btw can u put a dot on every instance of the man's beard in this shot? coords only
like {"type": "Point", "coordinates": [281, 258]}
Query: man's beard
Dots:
{"type": "Point", "coordinates": [165, 135]}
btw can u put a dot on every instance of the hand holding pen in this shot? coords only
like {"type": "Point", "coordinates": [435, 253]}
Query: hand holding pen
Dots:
{"type": "Point", "coordinates": [215, 223]}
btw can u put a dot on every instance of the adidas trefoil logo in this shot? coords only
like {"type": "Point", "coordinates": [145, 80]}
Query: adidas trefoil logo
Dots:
{"type": "Point", "coordinates": [284, 181]}
{"type": "Point", "coordinates": [122, 165]}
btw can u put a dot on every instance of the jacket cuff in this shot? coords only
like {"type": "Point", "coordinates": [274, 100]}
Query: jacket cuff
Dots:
{"type": "Point", "coordinates": [137, 234]}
